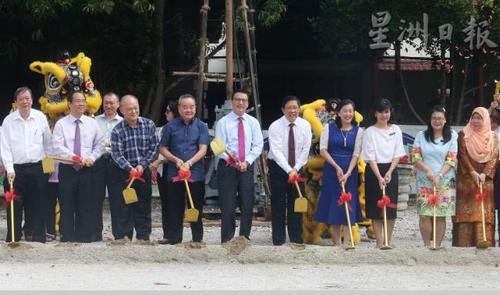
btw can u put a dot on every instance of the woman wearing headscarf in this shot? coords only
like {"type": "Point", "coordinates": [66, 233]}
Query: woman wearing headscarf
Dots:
{"type": "Point", "coordinates": [477, 160]}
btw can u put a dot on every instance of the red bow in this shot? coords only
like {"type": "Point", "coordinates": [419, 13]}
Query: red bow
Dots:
{"type": "Point", "coordinates": [135, 174]}
{"type": "Point", "coordinates": [183, 174]}
{"type": "Point", "coordinates": [296, 178]}
{"type": "Point", "coordinates": [76, 159]}
{"type": "Point", "coordinates": [344, 198]}
{"type": "Point", "coordinates": [231, 159]}
{"type": "Point", "coordinates": [479, 197]}
{"type": "Point", "coordinates": [9, 197]}
{"type": "Point", "coordinates": [433, 199]}
{"type": "Point", "coordinates": [385, 201]}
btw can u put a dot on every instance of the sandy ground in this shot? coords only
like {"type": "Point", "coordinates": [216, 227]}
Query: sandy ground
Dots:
{"type": "Point", "coordinates": [254, 266]}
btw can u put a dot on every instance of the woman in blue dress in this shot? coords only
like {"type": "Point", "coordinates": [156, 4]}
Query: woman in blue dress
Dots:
{"type": "Point", "coordinates": [340, 146]}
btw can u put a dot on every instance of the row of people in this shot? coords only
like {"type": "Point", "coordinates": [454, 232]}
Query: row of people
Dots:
{"type": "Point", "coordinates": [110, 149]}
{"type": "Point", "coordinates": [437, 151]}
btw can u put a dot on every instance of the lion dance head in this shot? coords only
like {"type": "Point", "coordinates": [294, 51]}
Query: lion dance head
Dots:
{"type": "Point", "coordinates": [63, 77]}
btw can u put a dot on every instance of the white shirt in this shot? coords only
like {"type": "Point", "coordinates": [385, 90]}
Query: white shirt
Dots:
{"type": "Point", "coordinates": [91, 138]}
{"type": "Point", "coordinates": [227, 130]}
{"type": "Point", "coordinates": [278, 142]}
{"type": "Point", "coordinates": [24, 140]}
{"type": "Point", "coordinates": [106, 125]}
{"type": "Point", "coordinates": [382, 145]}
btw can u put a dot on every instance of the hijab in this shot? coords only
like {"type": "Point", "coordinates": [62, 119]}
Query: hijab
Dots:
{"type": "Point", "coordinates": [479, 142]}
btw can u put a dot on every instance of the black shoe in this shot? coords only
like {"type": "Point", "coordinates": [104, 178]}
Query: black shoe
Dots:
{"type": "Point", "coordinates": [163, 242]}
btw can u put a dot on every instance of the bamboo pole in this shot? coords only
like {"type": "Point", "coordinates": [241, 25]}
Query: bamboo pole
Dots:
{"type": "Point", "coordinates": [229, 49]}
{"type": "Point", "coordinates": [201, 67]}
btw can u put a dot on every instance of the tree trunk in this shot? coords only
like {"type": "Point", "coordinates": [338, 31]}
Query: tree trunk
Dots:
{"type": "Point", "coordinates": [442, 99]}
{"type": "Point", "coordinates": [201, 66]}
{"type": "Point", "coordinates": [155, 100]}
{"type": "Point", "coordinates": [458, 119]}
{"type": "Point", "coordinates": [454, 84]}
{"type": "Point", "coordinates": [401, 83]}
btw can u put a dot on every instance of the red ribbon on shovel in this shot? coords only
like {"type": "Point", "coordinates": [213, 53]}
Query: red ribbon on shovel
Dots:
{"type": "Point", "coordinates": [183, 174]}
{"type": "Point", "coordinates": [9, 197]}
{"type": "Point", "coordinates": [385, 201]}
{"type": "Point", "coordinates": [134, 174]}
{"type": "Point", "coordinates": [295, 177]}
{"type": "Point", "coordinates": [345, 197]}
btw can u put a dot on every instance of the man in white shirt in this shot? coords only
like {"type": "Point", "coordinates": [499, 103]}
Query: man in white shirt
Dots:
{"type": "Point", "coordinates": [103, 166]}
{"type": "Point", "coordinates": [289, 141]}
{"type": "Point", "coordinates": [242, 136]}
{"type": "Point", "coordinates": [25, 141]}
{"type": "Point", "coordinates": [77, 136]}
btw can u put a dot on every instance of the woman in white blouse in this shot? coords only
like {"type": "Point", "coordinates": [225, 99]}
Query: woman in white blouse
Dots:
{"type": "Point", "coordinates": [382, 148]}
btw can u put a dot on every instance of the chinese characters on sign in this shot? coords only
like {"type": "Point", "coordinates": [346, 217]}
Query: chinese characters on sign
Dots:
{"type": "Point", "coordinates": [476, 33]}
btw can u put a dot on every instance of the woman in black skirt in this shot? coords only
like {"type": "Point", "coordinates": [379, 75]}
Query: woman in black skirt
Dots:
{"type": "Point", "coordinates": [381, 148]}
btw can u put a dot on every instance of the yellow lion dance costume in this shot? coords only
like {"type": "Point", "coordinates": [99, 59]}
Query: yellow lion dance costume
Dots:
{"type": "Point", "coordinates": [313, 231]}
{"type": "Point", "coordinates": [63, 77]}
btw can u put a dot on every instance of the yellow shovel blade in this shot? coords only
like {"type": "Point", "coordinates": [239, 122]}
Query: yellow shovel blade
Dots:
{"type": "Point", "coordinates": [300, 205]}
{"type": "Point", "coordinates": [483, 244]}
{"type": "Point", "coordinates": [191, 215]}
{"type": "Point", "coordinates": [48, 165]}
{"type": "Point", "coordinates": [129, 195]}
{"type": "Point", "coordinates": [217, 146]}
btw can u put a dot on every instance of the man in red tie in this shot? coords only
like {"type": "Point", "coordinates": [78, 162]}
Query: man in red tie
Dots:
{"type": "Point", "coordinates": [289, 142]}
{"type": "Point", "coordinates": [243, 138]}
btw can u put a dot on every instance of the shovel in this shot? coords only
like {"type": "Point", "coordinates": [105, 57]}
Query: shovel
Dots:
{"type": "Point", "coordinates": [12, 243]}
{"type": "Point", "coordinates": [434, 222]}
{"type": "Point", "coordinates": [386, 241]}
{"type": "Point", "coordinates": [300, 205]}
{"type": "Point", "coordinates": [129, 194]}
{"type": "Point", "coordinates": [348, 220]}
{"type": "Point", "coordinates": [191, 214]}
{"type": "Point", "coordinates": [218, 147]}
{"type": "Point", "coordinates": [48, 163]}
{"type": "Point", "coordinates": [484, 244]}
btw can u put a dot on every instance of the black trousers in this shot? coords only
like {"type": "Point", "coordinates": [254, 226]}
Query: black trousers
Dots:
{"type": "Point", "coordinates": [162, 189]}
{"type": "Point", "coordinates": [232, 183]}
{"type": "Point", "coordinates": [283, 196]}
{"type": "Point", "coordinates": [50, 216]}
{"type": "Point", "coordinates": [77, 203]}
{"type": "Point", "coordinates": [132, 216]}
{"type": "Point", "coordinates": [176, 204]}
{"type": "Point", "coordinates": [103, 173]}
{"type": "Point", "coordinates": [30, 185]}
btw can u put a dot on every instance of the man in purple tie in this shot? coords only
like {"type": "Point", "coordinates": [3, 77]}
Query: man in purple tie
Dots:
{"type": "Point", "coordinates": [77, 137]}
{"type": "Point", "coordinates": [242, 136]}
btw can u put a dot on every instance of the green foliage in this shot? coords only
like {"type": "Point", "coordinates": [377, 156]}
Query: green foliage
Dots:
{"type": "Point", "coordinates": [270, 12]}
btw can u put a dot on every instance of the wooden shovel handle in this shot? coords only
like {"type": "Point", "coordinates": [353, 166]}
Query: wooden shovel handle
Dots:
{"type": "Point", "coordinates": [298, 189]}
{"type": "Point", "coordinates": [130, 182]}
{"type": "Point", "coordinates": [188, 190]}
{"type": "Point", "coordinates": [67, 160]}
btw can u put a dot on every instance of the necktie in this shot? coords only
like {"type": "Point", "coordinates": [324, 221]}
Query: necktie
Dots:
{"type": "Point", "coordinates": [77, 145]}
{"type": "Point", "coordinates": [241, 140]}
{"type": "Point", "coordinates": [291, 146]}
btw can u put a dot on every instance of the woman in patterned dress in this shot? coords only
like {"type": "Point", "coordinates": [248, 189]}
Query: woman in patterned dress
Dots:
{"type": "Point", "coordinates": [435, 151]}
